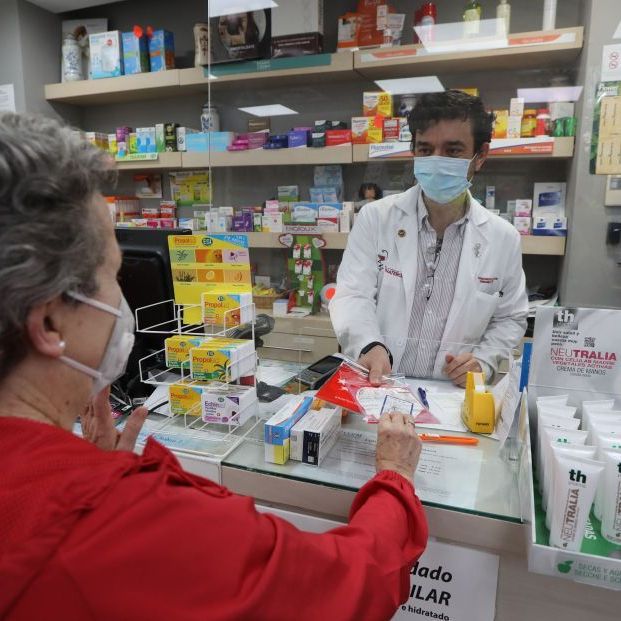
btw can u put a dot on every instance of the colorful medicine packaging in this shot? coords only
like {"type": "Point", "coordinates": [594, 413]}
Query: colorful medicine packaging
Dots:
{"type": "Point", "coordinates": [230, 309]}
{"type": "Point", "coordinates": [177, 349]}
{"type": "Point", "coordinates": [226, 404]}
{"type": "Point", "coordinates": [106, 56]}
{"type": "Point", "coordinates": [377, 104]}
{"type": "Point", "coordinates": [314, 435]}
{"type": "Point", "coordinates": [135, 51]}
{"type": "Point", "coordinates": [162, 50]}
{"type": "Point", "coordinates": [222, 359]}
{"type": "Point", "coordinates": [277, 430]}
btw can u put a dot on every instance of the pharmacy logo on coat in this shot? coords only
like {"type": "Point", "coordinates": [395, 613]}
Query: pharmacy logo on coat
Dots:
{"type": "Point", "coordinates": [382, 255]}
{"type": "Point", "coordinates": [566, 319]}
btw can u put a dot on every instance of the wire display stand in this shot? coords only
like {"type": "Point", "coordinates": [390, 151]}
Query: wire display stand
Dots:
{"type": "Point", "coordinates": [186, 429]}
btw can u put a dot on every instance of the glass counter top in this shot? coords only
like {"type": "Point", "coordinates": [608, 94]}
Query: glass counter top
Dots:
{"type": "Point", "coordinates": [473, 479]}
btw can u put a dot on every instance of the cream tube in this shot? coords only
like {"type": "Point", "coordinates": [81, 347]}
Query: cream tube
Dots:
{"type": "Point", "coordinates": [592, 413]}
{"type": "Point", "coordinates": [611, 498]}
{"type": "Point", "coordinates": [605, 443]}
{"type": "Point", "coordinates": [560, 436]}
{"type": "Point", "coordinates": [588, 452]}
{"type": "Point", "coordinates": [602, 404]}
{"type": "Point", "coordinates": [556, 410]}
{"type": "Point", "coordinates": [608, 427]}
{"type": "Point", "coordinates": [559, 422]}
{"type": "Point", "coordinates": [561, 399]}
{"type": "Point", "coordinates": [575, 482]}
{"type": "Point", "coordinates": [597, 420]}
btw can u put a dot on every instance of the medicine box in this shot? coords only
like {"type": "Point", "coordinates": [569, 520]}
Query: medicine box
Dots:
{"type": "Point", "coordinates": [230, 309]}
{"type": "Point", "coordinates": [550, 226]}
{"type": "Point", "coordinates": [277, 429]}
{"type": "Point", "coordinates": [523, 207]}
{"type": "Point", "coordinates": [272, 223]}
{"type": "Point", "coordinates": [366, 129]}
{"type": "Point", "coordinates": [391, 130]}
{"type": "Point", "coordinates": [145, 140]}
{"type": "Point", "coordinates": [135, 52]}
{"type": "Point", "coordinates": [314, 435]}
{"type": "Point", "coordinates": [162, 50]}
{"type": "Point", "coordinates": [288, 193]}
{"type": "Point", "coordinates": [305, 213]}
{"type": "Point", "coordinates": [500, 123]}
{"type": "Point", "coordinates": [277, 453]}
{"type": "Point", "coordinates": [514, 127]}
{"type": "Point", "coordinates": [516, 107]}
{"type": "Point", "coordinates": [106, 56]}
{"type": "Point", "coordinates": [522, 225]}
{"type": "Point", "coordinates": [377, 104]}
{"type": "Point", "coordinates": [222, 359]}
{"type": "Point", "coordinates": [182, 133]}
{"type": "Point", "coordinates": [177, 349]}
{"type": "Point", "coordinates": [228, 404]}
{"type": "Point", "coordinates": [185, 399]}
{"type": "Point", "coordinates": [201, 142]}
{"type": "Point", "coordinates": [561, 109]}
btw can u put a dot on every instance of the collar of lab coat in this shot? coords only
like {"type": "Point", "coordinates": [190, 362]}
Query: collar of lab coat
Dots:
{"type": "Point", "coordinates": [407, 201]}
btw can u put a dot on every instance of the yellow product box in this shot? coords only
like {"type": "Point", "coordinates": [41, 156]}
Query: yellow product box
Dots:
{"type": "Point", "coordinates": [473, 91]}
{"type": "Point", "coordinates": [222, 359]}
{"type": "Point", "coordinates": [231, 309]}
{"type": "Point", "coordinates": [177, 349]}
{"type": "Point", "coordinates": [183, 248]}
{"type": "Point", "coordinates": [278, 453]}
{"type": "Point", "coordinates": [365, 129]}
{"type": "Point", "coordinates": [377, 104]}
{"type": "Point", "coordinates": [500, 124]}
{"type": "Point", "coordinates": [185, 399]}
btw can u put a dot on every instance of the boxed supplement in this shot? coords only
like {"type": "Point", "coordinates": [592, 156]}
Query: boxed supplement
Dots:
{"type": "Point", "coordinates": [241, 36]}
{"type": "Point", "coordinates": [288, 193]}
{"type": "Point", "coordinates": [185, 398]}
{"type": "Point", "coordinates": [549, 200]}
{"type": "Point", "coordinates": [391, 130]}
{"type": "Point", "coordinates": [277, 429]}
{"type": "Point", "coordinates": [162, 50]}
{"type": "Point", "coordinates": [514, 127]}
{"type": "Point", "coordinates": [336, 137]}
{"type": "Point", "coordinates": [181, 133]}
{"type": "Point", "coordinates": [135, 51]}
{"type": "Point", "coordinates": [377, 104]}
{"type": "Point", "coordinates": [226, 404]}
{"type": "Point", "coordinates": [272, 223]}
{"type": "Point", "coordinates": [160, 144]}
{"type": "Point", "coordinates": [232, 308]}
{"type": "Point", "coordinates": [523, 207]}
{"type": "Point", "coordinates": [277, 453]}
{"type": "Point", "coordinates": [177, 349]}
{"type": "Point", "coordinates": [222, 359]}
{"type": "Point", "coordinates": [366, 129]}
{"type": "Point", "coordinates": [500, 124]}
{"type": "Point", "coordinates": [314, 435]}
{"type": "Point", "coordinates": [145, 140]}
{"type": "Point", "coordinates": [106, 56]}
{"type": "Point", "coordinates": [170, 136]}
{"type": "Point", "coordinates": [516, 107]}
{"type": "Point", "coordinates": [522, 225]}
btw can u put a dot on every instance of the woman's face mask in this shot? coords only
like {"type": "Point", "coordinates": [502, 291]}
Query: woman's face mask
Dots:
{"type": "Point", "coordinates": [118, 349]}
{"type": "Point", "coordinates": [443, 179]}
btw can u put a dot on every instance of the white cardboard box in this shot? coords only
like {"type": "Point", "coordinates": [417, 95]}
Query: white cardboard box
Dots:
{"type": "Point", "coordinates": [297, 17]}
{"type": "Point", "coordinates": [549, 200]}
{"type": "Point", "coordinates": [314, 435]}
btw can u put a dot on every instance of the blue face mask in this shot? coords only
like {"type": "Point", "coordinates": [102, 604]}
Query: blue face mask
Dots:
{"type": "Point", "coordinates": [443, 179]}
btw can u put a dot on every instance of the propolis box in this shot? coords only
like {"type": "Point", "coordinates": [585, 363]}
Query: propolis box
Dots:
{"type": "Point", "coordinates": [230, 309]}
{"type": "Point", "coordinates": [177, 349]}
{"type": "Point", "coordinates": [222, 360]}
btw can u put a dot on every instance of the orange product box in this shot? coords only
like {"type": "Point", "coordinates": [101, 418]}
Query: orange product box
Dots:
{"type": "Point", "coordinates": [377, 103]}
{"type": "Point", "coordinates": [366, 129]}
{"type": "Point", "coordinates": [335, 137]}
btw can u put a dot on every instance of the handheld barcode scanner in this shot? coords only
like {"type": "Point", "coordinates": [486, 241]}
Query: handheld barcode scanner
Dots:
{"type": "Point", "coordinates": [478, 411]}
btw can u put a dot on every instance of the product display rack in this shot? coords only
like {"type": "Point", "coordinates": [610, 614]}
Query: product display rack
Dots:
{"type": "Point", "coordinates": [187, 431]}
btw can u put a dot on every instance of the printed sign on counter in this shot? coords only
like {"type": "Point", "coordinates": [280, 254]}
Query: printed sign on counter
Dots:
{"type": "Point", "coordinates": [452, 583]}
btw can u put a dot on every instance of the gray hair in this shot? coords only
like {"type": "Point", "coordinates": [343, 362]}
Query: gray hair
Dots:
{"type": "Point", "coordinates": [50, 241]}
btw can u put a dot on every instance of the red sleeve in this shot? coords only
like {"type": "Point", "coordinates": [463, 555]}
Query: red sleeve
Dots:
{"type": "Point", "coordinates": [167, 551]}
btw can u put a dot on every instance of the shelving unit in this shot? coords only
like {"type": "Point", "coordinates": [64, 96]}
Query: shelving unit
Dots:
{"type": "Point", "coordinates": [523, 51]}
{"type": "Point", "coordinates": [270, 157]}
{"type": "Point", "coordinates": [529, 50]}
{"type": "Point", "coordinates": [531, 244]}
{"type": "Point", "coordinates": [165, 161]}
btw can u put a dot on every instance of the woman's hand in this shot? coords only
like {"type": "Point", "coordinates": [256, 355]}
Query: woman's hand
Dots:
{"type": "Point", "coordinates": [98, 425]}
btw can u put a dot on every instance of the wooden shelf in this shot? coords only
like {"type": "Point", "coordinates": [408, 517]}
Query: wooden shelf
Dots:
{"type": "Point", "coordinates": [334, 241]}
{"type": "Point", "coordinates": [165, 161]}
{"type": "Point", "coordinates": [562, 148]}
{"type": "Point", "coordinates": [340, 67]}
{"type": "Point", "coordinates": [538, 244]}
{"type": "Point", "coordinates": [341, 154]}
{"type": "Point", "coordinates": [114, 90]}
{"type": "Point", "coordinates": [531, 50]}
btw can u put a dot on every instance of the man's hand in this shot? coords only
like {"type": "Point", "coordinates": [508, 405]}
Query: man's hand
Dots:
{"type": "Point", "coordinates": [457, 367]}
{"type": "Point", "coordinates": [98, 425]}
{"type": "Point", "coordinates": [378, 363]}
{"type": "Point", "coordinates": [398, 446]}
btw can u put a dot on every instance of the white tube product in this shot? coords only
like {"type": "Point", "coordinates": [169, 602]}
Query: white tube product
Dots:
{"type": "Point", "coordinates": [565, 438]}
{"type": "Point", "coordinates": [575, 482]}
{"type": "Point", "coordinates": [587, 452]}
{"type": "Point", "coordinates": [556, 410]}
{"type": "Point", "coordinates": [605, 443]}
{"type": "Point", "coordinates": [597, 419]}
{"type": "Point", "coordinates": [611, 428]}
{"type": "Point", "coordinates": [611, 501]}
{"type": "Point", "coordinates": [559, 422]}
{"type": "Point", "coordinates": [561, 399]}
{"type": "Point", "coordinates": [590, 407]}
{"type": "Point", "coordinates": [603, 404]}
{"type": "Point", "coordinates": [561, 436]}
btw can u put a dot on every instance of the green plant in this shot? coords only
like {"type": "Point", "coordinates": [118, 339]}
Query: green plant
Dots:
{"type": "Point", "coordinates": [185, 277]}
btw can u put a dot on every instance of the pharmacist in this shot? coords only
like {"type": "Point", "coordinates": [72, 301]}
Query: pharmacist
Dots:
{"type": "Point", "coordinates": [430, 270]}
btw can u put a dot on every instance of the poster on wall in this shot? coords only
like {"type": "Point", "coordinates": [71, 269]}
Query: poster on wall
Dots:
{"type": "Point", "coordinates": [577, 349]}
{"type": "Point", "coordinates": [606, 136]}
{"type": "Point", "coordinates": [451, 583]}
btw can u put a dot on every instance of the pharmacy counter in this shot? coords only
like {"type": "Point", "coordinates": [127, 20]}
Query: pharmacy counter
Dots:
{"type": "Point", "coordinates": [471, 497]}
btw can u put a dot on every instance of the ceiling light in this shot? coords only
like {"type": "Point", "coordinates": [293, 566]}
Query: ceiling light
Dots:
{"type": "Point", "coordinates": [548, 95]}
{"type": "Point", "coordinates": [229, 7]}
{"type": "Point", "coordinates": [272, 110]}
{"type": "Point", "coordinates": [407, 86]}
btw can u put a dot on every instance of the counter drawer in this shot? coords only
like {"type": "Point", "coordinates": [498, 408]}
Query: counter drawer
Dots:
{"type": "Point", "coordinates": [297, 348]}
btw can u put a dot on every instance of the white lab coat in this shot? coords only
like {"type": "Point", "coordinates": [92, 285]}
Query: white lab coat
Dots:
{"type": "Point", "coordinates": [377, 277]}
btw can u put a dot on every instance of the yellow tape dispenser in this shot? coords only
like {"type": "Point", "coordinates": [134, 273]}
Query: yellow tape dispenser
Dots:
{"type": "Point", "coordinates": [478, 411]}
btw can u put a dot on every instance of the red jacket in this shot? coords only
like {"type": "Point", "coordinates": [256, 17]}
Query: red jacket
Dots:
{"type": "Point", "coordinates": [88, 534]}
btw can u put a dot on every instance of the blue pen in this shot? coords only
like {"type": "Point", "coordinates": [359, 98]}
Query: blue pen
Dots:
{"type": "Point", "coordinates": [423, 397]}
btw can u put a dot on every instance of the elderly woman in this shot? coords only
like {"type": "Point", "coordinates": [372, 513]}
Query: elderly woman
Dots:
{"type": "Point", "coordinates": [91, 532]}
